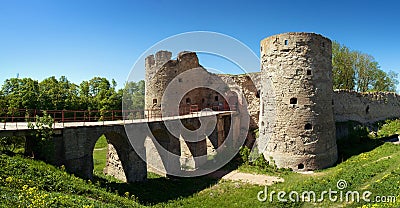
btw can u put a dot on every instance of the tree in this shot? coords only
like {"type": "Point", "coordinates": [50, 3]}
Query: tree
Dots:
{"type": "Point", "coordinates": [84, 96]}
{"type": "Point", "coordinates": [367, 71]}
{"type": "Point", "coordinates": [12, 143]}
{"type": "Point", "coordinates": [384, 81]}
{"type": "Point", "coordinates": [354, 70]}
{"type": "Point", "coordinates": [69, 93]}
{"type": "Point", "coordinates": [392, 81]}
{"type": "Point", "coordinates": [342, 67]}
{"type": "Point", "coordinates": [19, 94]}
{"type": "Point", "coordinates": [3, 104]}
{"type": "Point", "coordinates": [134, 93]}
{"type": "Point", "coordinates": [49, 96]}
{"type": "Point", "coordinates": [98, 93]}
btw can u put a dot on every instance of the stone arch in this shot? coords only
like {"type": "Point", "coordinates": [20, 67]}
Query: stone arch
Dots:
{"type": "Point", "coordinates": [133, 167]}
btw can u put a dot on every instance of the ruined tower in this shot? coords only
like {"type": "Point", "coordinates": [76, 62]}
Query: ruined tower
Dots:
{"type": "Point", "coordinates": [161, 70]}
{"type": "Point", "coordinates": [153, 86]}
{"type": "Point", "coordinates": [296, 114]}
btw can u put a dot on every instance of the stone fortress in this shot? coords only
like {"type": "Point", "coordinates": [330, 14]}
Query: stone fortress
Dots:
{"type": "Point", "coordinates": [291, 101]}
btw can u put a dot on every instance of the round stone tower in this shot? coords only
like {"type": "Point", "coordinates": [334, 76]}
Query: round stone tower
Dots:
{"type": "Point", "coordinates": [296, 116]}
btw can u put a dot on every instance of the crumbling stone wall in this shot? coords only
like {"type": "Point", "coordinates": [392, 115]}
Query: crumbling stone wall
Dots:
{"type": "Point", "coordinates": [113, 165]}
{"type": "Point", "coordinates": [249, 85]}
{"type": "Point", "coordinates": [366, 107]}
{"type": "Point", "coordinates": [160, 71]}
{"type": "Point", "coordinates": [296, 112]}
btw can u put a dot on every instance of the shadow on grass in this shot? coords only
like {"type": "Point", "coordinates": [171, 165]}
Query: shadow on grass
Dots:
{"type": "Point", "coordinates": [158, 190]}
{"type": "Point", "coordinates": [355, 146]}
{"type": "Point", "coordinates": [357, 142]}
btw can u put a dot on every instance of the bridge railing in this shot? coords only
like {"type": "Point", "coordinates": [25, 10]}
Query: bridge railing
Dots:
{"type": "Point", "coordinates": [29, 115]}
{"type": "Point", "coordinates": [65, 116]}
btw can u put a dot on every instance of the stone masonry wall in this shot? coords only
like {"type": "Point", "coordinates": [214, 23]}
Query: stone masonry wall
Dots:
{"type": "Point", "coordinates": [160, 71]}
{"type": "Point", "coordinates": [365, 107]}
{"type": "Point", "coordinates": [348, 105]}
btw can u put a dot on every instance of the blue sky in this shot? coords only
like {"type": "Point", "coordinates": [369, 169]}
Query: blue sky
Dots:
{"type": "Point", "coordinates": [83, 39]}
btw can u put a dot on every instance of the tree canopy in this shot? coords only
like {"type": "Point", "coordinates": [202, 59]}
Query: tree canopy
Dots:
{"type": "Point", "coordinates": [354, 70]}
{"type": "Point", "coordinates": [60, 94]}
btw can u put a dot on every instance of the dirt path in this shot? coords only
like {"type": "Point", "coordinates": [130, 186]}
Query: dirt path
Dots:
{"type": "Point", "coordinates": [255, 179]}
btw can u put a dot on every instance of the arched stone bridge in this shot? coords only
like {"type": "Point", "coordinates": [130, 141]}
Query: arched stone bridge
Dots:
{"type": "Point", "coordinates": [74, 142]}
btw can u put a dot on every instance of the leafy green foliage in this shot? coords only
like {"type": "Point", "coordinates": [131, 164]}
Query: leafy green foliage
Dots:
{"type": "Point", "coordinates": [20, 93]}
{"type": "Point", "coordinates": [389, 128]}
{"type": "Point", "coordinates": [60, 94]}
{"type": "Point", "coordinates": [257, 164]}
{"type": "Point", "coordinates": [40, 139]}
{"type": "Point", "coordinates": [134, 98]}
{"type": "Point", "coordinates": [244, 153]}
{"type": "Point", "coordinates": [358, 71]}
{"type": "Point", "coordinates": [42, 126]}
{"type": "Point", "coordinates": [12, 144]}
{"type": "Point", "coordinates": [343, 73]}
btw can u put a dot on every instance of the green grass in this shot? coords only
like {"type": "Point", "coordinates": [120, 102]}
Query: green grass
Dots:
{"type": "Point", "coordinates": [368, 165]}
{"type": "Point", "coordinates": [100, 155]}
{"type": "Point", "coordinates": [101, 143]}
{"type": "Point", "coordinates": [26, 182]}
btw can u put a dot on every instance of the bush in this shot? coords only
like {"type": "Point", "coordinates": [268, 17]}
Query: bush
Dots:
{"type": "Point", "coordinates": [257, 162]}
{"type": "Point", "coordinates": [244, 153]}
{"type": "Point", "coordinates": [40, 142]}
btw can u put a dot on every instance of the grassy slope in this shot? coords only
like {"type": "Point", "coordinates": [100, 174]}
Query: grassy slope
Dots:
{"type": "Point", "coordinates": [28, 182]}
